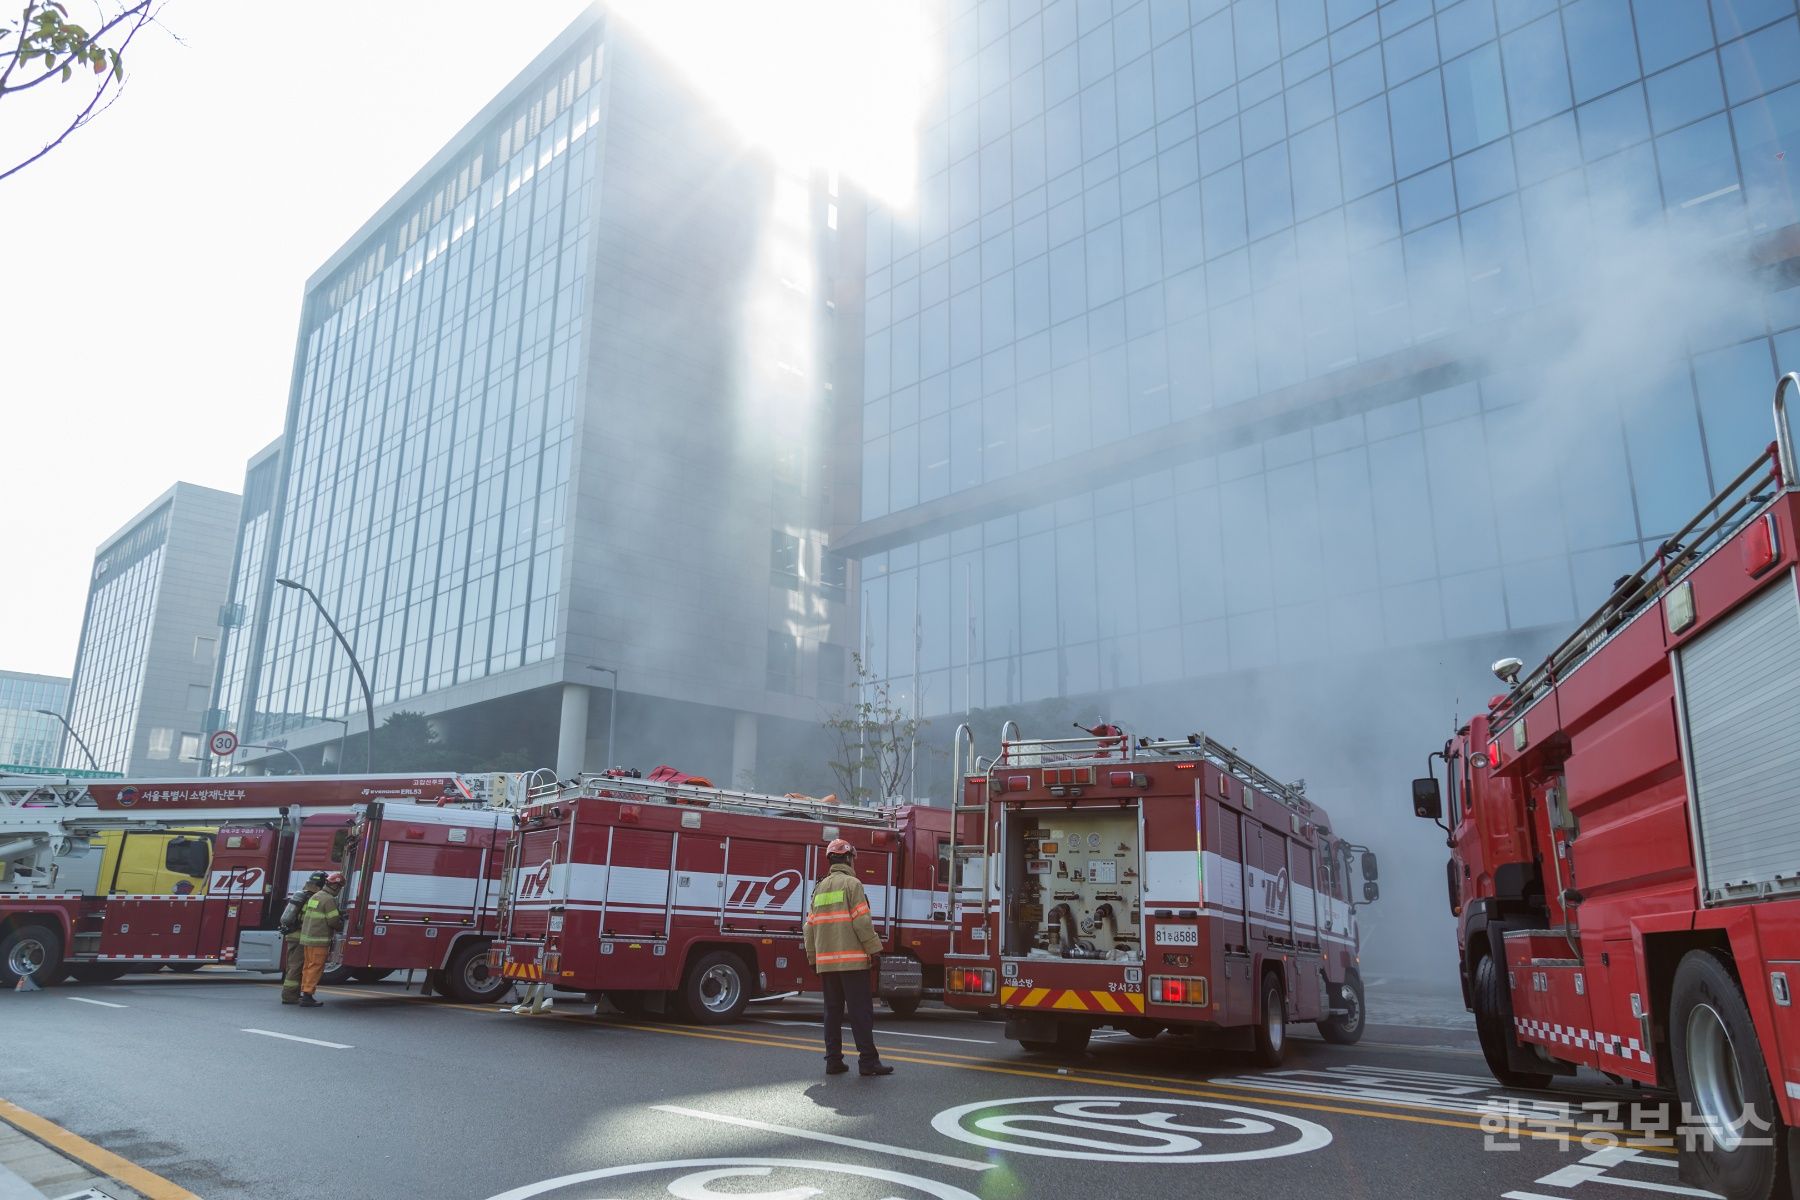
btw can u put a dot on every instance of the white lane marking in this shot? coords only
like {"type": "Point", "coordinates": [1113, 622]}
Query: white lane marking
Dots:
{"type": "Point", "coordinates": [936, 1037]}
{"type": "Point", "coordinates": [1525, 1196]}
{"type": "Point", "coordinates": [101, 1003]}
{"type": "Point", "coordinates": [942, 1160]}
{"type": "Point", "coordinates": [288, 1037]}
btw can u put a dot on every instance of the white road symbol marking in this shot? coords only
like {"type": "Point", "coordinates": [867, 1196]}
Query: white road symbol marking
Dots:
{"type": "Point", "coordinates": [101, 1003]}
{"type": "Point", "coordinates": [942, 1160]}
{"type": "Point", "coordinates": [288, 1037]}
{"type": "Point", "coordinates": [1136, 1129]}
{"type": "Point", "coordinates": [936, 1037]}
{"type": "Point", "coordinates": [699, 1172]}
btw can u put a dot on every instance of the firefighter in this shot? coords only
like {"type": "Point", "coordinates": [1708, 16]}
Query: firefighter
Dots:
{"type": "Point", "coordinates": [320, 918]}
{"type": "Point", "coordinates": [294, 953]}
{"type": "Point", "coordinates": [841, 946]}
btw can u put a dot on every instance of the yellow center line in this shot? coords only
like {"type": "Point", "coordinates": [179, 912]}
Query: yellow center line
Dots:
{"type": "Point", "coordinates": [951, 1060]}
{"type": "Point", "coordinates": [102, 1160]}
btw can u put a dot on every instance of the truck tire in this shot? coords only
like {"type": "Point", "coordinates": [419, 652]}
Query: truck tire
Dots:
{"type": "Point", "coordinates": [1346, 1029]}
{"type": "Point", "coordinates": [1719, 1075]}
{"type": "Point", "coordinates": [468, 979]}
{"type": "Point", "coordinates": [1271, 1028]}
{"type": "Point", "coordinates": [1493, 1027]}
{"type": "Point", "coordinates": [96, 972]}
{"type": "Point", "coordinates": [715, 989]}
{"type": "Point", "coordinates": [903, 1006]}
{"type": "Point", "coordinates": [1071, 1040]}
{"type": "Point", "coordinates": [371, 974]}
{"type": "Point", "coordinates": [34, 950]}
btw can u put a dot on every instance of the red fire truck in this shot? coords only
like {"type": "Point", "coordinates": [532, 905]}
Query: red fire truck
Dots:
{"type": "Point", "coordinates": [672, 896]}
{"type": "Point", "coordinates": [422, 890]}
{"type": "Point", "coordinates": [1151, 885]}
{"type": "Point", "coordinates": [1624, 832]}
{"type": "Point", "coordinates": [101, 878]}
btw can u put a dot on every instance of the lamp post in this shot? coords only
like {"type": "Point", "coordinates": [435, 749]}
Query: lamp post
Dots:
{"type": "Point", "coordinates": [48, 712]}
{"type": "Point", "coordinates": [300, 766]}
{"type": "Point", "coordinates": [368, 696]}
{"type": "Point", "coordinates": [612, 709]}
{"type": "Point", "coordinates": [342, 738]}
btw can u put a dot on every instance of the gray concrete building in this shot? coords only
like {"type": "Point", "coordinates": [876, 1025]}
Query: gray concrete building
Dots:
{"type": "Point", "coordinates": [558, 425]}
{"type": "Point", "coordinates": [144, 665]}
{"type": "Point", "coordinates": [29, 737]}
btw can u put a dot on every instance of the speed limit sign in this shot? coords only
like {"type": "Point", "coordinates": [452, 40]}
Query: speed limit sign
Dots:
{"type": "Point", "coordinates": [224, 743]}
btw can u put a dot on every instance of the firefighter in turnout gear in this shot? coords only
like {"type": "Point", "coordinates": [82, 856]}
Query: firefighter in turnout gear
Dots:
{"type": "Point", "coordinates": [320, 918]}
{"type": "Point", "coordinates": [294, 954]}
{"type": "Point", "coordinates": [842, 947]}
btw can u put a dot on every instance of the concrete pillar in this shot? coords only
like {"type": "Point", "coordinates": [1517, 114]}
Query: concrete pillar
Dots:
{"type": "Point", "coordinates": [571, 736]}
{"type": "Point", "coordinates": [743, 749]}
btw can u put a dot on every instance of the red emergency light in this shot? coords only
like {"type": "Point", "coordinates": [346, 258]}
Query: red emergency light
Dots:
{"type": "Point", "coordinates": [1759, 549]}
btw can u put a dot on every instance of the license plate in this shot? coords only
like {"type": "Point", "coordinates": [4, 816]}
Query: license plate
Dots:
{"type": "Point", "coordinates": [1177, 935]}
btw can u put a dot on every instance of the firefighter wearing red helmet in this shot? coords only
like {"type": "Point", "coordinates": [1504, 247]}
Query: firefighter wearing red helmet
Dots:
{"type": "Point", "coordinates": [842, 947]}
{"type": "Point", "coordinates": [320, 918]}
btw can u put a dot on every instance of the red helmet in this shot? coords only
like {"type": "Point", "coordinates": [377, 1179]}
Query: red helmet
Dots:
{"type": "Point", "coordinates": [839, 846]}
{"type": "Point", "coordinates": [336, 877]}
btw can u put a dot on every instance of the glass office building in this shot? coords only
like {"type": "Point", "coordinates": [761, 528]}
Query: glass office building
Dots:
{"type": "Point", "coordinates": [144, 665]}
{"type": "Point", "coordinates": [28, 738]}
{"type": "Point", "coordinates": [549, 408]}
{"type": "Point", "coordinates": [1225, 338]}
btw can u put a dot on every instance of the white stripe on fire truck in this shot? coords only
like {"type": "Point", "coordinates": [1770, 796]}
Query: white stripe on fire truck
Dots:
{"type": "Point", "coordinates": [1584, 1039]}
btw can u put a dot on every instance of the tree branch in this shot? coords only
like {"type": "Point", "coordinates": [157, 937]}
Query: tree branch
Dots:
{"type": "Point", "coordinates": [12, 60]}
{"type": "Point", "coordinates": [114, 83]}
{"type": "Point", "coordinates": [143, 12]}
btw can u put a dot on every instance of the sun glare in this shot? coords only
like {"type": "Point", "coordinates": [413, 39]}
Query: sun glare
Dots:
{"type": "Point", "coordinates": [823, 83]}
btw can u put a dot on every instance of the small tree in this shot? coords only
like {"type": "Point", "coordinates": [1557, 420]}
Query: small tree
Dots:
{"type": "Point", "coordinates": [875, 740]}
{"type": "Point", "coordinates": [44, 46]}
{"type": "Point", "coordinates": [409, 743]}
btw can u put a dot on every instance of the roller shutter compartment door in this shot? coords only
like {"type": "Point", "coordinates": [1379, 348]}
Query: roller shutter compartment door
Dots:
{"type": "Point", "coordinates": [1740, 685]}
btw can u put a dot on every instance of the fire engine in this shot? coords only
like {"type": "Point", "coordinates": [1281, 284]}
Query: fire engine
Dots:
{"type": "Point", "coordinates": [1624, 833]}
{"type": "Point", "coordinates": [672, 895]}
{"type": "Point", "coordinates": [1150, 886]}
{"type": "Point", "coordinates": [101, 878]}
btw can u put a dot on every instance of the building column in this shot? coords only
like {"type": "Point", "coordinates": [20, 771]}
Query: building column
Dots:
{"type": "Point", "coordinates": [743, 749]}
{"type": "Point", "coordinates": [571, 736]}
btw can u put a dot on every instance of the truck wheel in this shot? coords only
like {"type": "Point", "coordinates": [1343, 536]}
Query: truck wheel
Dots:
{"type": "Point", "coordinates": [34, 950]}
{"type": "Point", "coordinates": [371, 974]}
{"type": "Point", "coordinates": [715, 990]}
{"type": "Point", "coordinates": [1719, 1073]}
{"type": "Point", "coordinates": [468, 978]}
{"type": "Point", "coordinates": [97, 972]}
{"type": "Point", "coordinates": [1071, 1040]}
{"type": "Point", "coordinates": [336, 976]}
{"type": "Point", "coordinates": [1493, 1027]}
{"type": "Point", "coordinates": [1346, 1028]}
{"type": "Point", "coordinates": [903, 1006]}
{"type": "Point", "coordinates": [1271, 1031]}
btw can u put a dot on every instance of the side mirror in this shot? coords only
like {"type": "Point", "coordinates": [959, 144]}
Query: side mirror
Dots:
{"type": "Point", "coordinates": [1371, 891]}
{"type": "Point", "coordinates": [1371, 869]}
{"type": "Point", "coordinates": [1428, 801]}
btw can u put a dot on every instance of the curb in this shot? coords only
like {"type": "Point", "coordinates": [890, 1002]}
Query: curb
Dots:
{"type": "Point", "coordinates": [32, 1169]}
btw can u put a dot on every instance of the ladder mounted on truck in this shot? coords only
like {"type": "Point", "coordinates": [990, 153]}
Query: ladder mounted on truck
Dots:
{"type": "Point", "coordinates": [1739, 502]}
{"type": "Point", "coordinates": [721, 799]}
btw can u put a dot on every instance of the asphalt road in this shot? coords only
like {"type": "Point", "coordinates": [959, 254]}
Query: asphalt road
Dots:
{"type": "Point", "coordinates": [196, 1078]}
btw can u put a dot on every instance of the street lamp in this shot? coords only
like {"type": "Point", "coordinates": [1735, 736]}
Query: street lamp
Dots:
{"type": "Point", "coordinates": [368, 696]}
{"type": "Point", "coordinates": [612, 709]}
{"type": "Point", "coordinates": [342, 738]}
{"type": "Point", "coordinates": [279, 749]}
{"type": "Point", "coordinates": [48, 712]}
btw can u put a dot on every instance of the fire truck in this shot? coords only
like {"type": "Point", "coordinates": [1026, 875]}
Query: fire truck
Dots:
{"type": "Point", "coordinates": [1150, 886]}
{"type": "Point", "coordinates": [98, 879]}
{"type": "Point", "coordinates": [1624, 835]}
{"type": "Point", "coordinates": [669, 895]}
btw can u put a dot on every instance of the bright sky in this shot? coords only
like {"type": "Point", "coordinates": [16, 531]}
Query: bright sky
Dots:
{"type": "Point", "coordinates": [154, 264]}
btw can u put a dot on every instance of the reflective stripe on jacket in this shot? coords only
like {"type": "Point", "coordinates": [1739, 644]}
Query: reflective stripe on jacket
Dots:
{"type": "Point", "coordinates": [840, 935]}
{"type": "Point", "coordinates": [320, 918]}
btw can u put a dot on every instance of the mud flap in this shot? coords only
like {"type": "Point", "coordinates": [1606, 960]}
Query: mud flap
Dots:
{"type": "Point", "coordinates": [900, 978]}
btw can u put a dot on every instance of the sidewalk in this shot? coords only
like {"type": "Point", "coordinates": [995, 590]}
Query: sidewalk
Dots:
{"type": "Point", "coordinates": [32, 1170]}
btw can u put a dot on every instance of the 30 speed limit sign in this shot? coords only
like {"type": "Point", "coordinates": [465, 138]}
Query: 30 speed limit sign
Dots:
{"type": "Point", "coordinates": [224, 743]}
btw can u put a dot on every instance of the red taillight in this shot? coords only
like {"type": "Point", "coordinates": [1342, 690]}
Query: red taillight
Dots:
{"type": "Point", "coordinates": [1493, 754]}
{"type": "Point", "coordinates": [1758, 547]}
{"type": "Point", "coordinates": [1018, 783]}
{"type": "Point", "coordinates": [1175, 991]}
